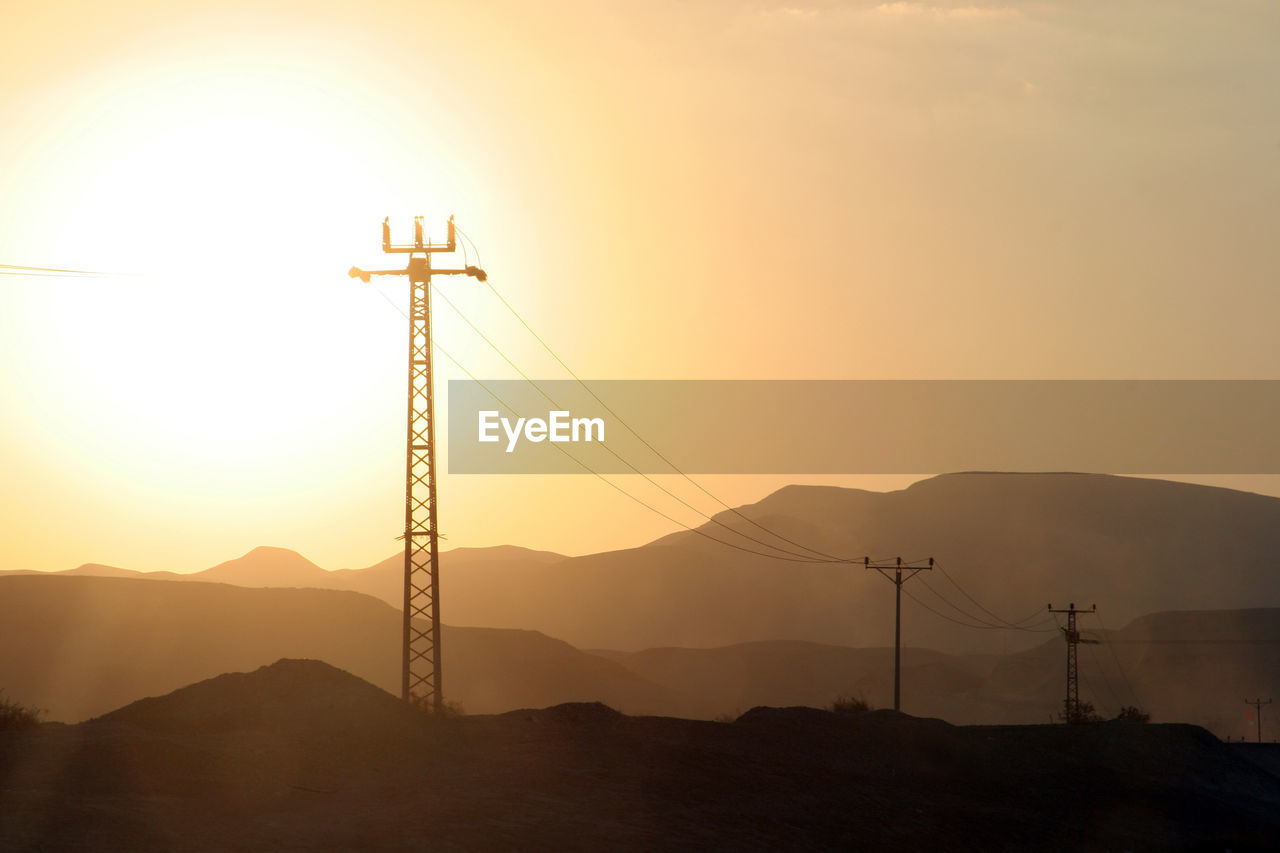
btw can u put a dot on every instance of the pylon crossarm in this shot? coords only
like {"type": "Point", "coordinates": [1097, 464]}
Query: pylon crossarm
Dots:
{"type": "Point", "coordinates": [363, 275]}
{"type": "Point", "coordinates": [474, 272]}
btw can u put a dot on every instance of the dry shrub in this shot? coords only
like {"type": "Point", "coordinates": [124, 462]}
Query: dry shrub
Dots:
{"type": "Point", "coordinates": [16, 716]}
{"type": "Point", "coordinates": [844, 704]}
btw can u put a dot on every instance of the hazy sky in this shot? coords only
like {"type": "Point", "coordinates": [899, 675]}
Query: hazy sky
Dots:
{"type": "Point", "coordinates": [665, 190]}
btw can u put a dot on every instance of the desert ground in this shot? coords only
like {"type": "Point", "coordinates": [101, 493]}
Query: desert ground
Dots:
{"type": "Point", "coordinates": [299, 755]}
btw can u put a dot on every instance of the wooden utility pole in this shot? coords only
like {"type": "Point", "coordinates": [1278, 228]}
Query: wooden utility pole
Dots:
{"type": "Point", "coordinates": [1257, 710]}
{"type": "Point", "coordinates": [898, 567]}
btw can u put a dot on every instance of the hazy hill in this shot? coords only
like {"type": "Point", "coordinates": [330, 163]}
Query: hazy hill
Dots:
{"type": "Point", "coordinates": [79, 646]}
{"type": "Point", "coordinates": [100, 571]}
{"type": "Point", "coordinates": [265, 566]}
{"type": "Point", "coordinates": [1188, 666]}
{"type": "Point", "coordinates": [280, 567]}
{"type": "Point", "coordinates": [465, 573]}
{"type": "Point", "coordinates": [1193, 667]}
{"type": "Point", "coordinates": [726, 681]}
{"type": "Point", "coordinates": [1013, 542]}
{"type": "Point", "coordinates": [97, 570]}
{"type": "Point", "coordinates": [285, 697]}
{"type": "Point", "coordinates": [471, 578]}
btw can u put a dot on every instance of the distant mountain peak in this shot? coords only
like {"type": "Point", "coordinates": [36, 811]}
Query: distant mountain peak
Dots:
{"type": "Point", "coordinates": [504, 552]}
{"type": "Point", "coordinates": [274, 551]}
{"type": "Point", "coordinates": [266, 566]}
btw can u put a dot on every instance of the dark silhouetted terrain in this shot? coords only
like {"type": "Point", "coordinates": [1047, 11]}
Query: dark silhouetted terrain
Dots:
{"type": "Point", "coordinates": [299, 755]}
{"type": "Point", "coordinates": [79, 646]}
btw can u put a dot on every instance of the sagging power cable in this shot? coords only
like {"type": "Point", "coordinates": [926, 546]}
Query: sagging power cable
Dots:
{"type": "Point", "coordinates": [816, 552]}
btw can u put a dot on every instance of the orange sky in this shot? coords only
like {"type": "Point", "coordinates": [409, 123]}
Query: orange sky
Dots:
{"type": "Point", "coordinates": [665, 190]}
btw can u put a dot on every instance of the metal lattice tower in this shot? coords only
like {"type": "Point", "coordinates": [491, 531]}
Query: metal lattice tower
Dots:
{"type": "Point", "coordinates": [1071, 705]}
{"type": "Point", "coordinates": [421, 682]}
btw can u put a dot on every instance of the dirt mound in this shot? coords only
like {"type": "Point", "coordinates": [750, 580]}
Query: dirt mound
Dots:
{"type": "Point", "coordinates": [804, 716]}
{"type": "Point", "coordinates": [795, 716]}
{"type": "Point", "coordinates": [296, 696]}
{"type": "Point", "coordinates": [585, 714]}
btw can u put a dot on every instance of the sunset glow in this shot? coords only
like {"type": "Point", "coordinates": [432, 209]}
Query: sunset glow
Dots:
{"type": "Point", "coordinates": [696, 192]}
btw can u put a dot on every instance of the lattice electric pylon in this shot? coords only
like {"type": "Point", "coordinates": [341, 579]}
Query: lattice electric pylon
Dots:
{"type": "Point", "coordinates": [1071, 710]}
{"type": "Point", "coordinates": [421, 676]}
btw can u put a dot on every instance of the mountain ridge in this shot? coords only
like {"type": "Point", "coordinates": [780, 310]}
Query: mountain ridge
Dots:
{"type": "Point", "coordinates": [1005, 544]}
{"type": "Point", "coordinates": [82, 646]}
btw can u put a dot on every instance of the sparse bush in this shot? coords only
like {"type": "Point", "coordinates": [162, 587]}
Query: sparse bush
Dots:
{"type": "Point", "coordinates": [15, 716]}
{"type": "Point", "coordinates": [844, 704]}
{"type": "Point", "coordinates": [1132, 714]}
{"type": "Point", "coordinates": [447, 709]}
{"type": "Point", "coordinates": [726, 717]}
{"type": "Point", "coordinates": [1084, 713]}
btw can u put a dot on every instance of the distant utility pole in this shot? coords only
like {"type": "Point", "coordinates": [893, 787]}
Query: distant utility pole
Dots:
{"type": "Point", "coordinates": [898, 567]}
{"type": "Point", "coordinates": [1257, 709]}
{"type": "Point", "coordinates": [421, 678]}
{"type": "Point", "coordinates": [1071, 705]}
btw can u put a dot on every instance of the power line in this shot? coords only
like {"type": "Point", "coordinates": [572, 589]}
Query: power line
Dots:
{"type": "Point", "coordinates": [1106, 638]}
{"type": "Point", "coordinates": [610, 450]}
{"type": "Point", "coordinates": [1105, 681]}
{"type": "Point", "coordinates": [1197, 642]}
{"type": "Point", "coordinates": [1002, 624]}
{"type": "Point", "coordinates": [614, 485]}
{"type": "Point", "coordinates": [588, 468]}
{"type": "Point", "coordinates": [981, 622]}
{"type": "Point", "coordinates": [53, 272]}
{"type": "Point", "coordinates": [642, 440]}
{"type": "Point", "coordinates": [34, 274]}
{"type": "Point", "coordinates": [981, 627]}
{"type": "Point", "coordinates": [1018, 626]}
{"type": "Point", "coordinates": [1097, 697]}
